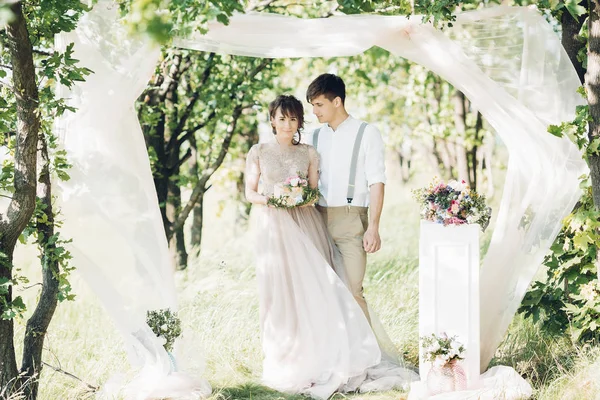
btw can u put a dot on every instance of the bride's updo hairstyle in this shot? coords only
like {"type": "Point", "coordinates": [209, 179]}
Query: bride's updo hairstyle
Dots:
{"type": "Point", "coordinates": [290, 107]}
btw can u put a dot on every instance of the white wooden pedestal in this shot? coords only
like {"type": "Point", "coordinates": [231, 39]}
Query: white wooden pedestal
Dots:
{"type": "Point", "coordinates": [449, 290]}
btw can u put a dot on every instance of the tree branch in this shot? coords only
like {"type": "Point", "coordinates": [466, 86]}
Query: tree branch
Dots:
{"type": "Point", "coordinates": [200, 187]}
{"type": "Point", "coordinates": [190, 132]}
{"type": "Point", "coordinates": [41, 52]}
{"type": "Point", "coordinates": [164, 82]}
{"type": "Point", "coordinates": [183, 159]}
{"type": "Point", "coordinates": [58, 369]}
{"type": "Point", "coordinates": [193, 100]}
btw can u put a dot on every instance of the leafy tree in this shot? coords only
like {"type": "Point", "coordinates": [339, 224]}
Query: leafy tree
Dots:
{"type": "Point", "coordinates": [28, 107]}
{"type": "Point", "coordinates": [195, 116]}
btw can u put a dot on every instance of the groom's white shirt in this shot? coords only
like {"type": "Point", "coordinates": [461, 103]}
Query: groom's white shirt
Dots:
{"type": "Point", "coordinates": [335, 149]}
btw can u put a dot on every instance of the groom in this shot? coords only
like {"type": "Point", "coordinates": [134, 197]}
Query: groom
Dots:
{"type": "Point", "coordinates": [352, 178]}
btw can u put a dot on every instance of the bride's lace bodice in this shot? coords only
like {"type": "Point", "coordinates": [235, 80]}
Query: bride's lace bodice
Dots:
{"type": "Point", "coordinates": [276, 163]}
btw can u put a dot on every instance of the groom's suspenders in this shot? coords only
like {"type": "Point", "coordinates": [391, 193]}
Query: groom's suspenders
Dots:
{"type": "Point", "coordinates": [357, 142]}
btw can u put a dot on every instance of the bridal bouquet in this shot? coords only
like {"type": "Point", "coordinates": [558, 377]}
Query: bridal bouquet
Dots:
{"type": "Point", "coordinates": [453, 203]}
{"type": "Point", "coordinates": [441, 350]}
{"type": "Point", "coordinates": [166, 325]}
{"type": "Point", "coordinates": [294, 192]}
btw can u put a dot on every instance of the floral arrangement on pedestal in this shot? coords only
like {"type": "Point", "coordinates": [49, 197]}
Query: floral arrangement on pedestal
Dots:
{"type": "Point", "coordinates": [294, 192]}
{"type": "Point", "coordinates": [444, 352]}
{"type": "Point", "coordinates": [453, 203]}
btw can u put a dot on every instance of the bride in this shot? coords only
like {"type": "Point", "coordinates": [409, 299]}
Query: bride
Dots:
{"type": "Point", "coordinates": [315, 338]}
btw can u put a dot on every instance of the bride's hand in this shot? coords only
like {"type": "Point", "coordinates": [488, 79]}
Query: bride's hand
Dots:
{"type": "Point", "coordinates": [312, 203]}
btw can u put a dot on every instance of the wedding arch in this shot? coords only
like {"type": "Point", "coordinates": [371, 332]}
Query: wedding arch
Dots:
{"type": "Point", "coordinates": [506, 60]}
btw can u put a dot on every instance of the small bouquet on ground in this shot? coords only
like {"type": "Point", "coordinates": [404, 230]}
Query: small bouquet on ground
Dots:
{"type": "Point", "coordinates": [166, 325]}
{"type": "Point", "coordinates": [453, 203]}
{"type": "Point", "coordinates": [441, 350]}
{"type": "Point", "coordinates": [294, 192]}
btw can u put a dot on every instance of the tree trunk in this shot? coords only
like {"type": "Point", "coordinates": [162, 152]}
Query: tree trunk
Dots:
{"type": "Point", "coordinates": [176, 234]}
{"type": "Point", "coordinates": [37, 325]}
{"type": "Point", "coordinates": [22, 205]}
{"type": "Point", "coordinates": [197, 223]}
{"type": "Point", "coordinates": [571, 41]}
{"type": "Point", "coordinates": [8, 362]}
{"type": "Point", "coordinates": [196, 231]}
{"type": "Point", "coordinates": [202, 185]}
{"type": "Point", "coordinates": [155, 140]}
{"type": "Point", "coordinates": [593, 95]}
{"type": "Point", "coordinates": [474, 165]}
{"type": "Point", "coordinates": [460, 118]}
{"type": "Point", "coordinates": [433, 156]}
{"type": "Point", "coordinates": [244, 206]}
{"type": "Point", "coordinates": [441, 153]}
{"type": "Point", "coordinates": [487, 159]}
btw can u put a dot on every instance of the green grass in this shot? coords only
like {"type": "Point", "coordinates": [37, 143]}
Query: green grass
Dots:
{"type": "Point", "coordinates": [219, 310]}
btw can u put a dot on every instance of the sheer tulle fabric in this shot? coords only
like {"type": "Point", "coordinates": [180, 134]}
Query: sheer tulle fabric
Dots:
{"type": "Point", "coordinates": [520, 83]}
{"type": "Point", "coordinates": [498, 382]}
{"type": "Point", "coordinates": [109, 205]}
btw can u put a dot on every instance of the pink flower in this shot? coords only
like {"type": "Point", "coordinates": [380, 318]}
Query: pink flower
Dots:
{"type": "Point", "coordinates": [454, 207]}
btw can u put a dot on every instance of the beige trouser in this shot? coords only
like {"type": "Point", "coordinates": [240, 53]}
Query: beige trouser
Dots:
{"type": "Point", "coordinates": [347, 226]}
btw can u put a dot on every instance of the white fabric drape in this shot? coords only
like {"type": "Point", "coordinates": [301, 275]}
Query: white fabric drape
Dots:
{"type": "Point", "coordinates": [511, 65]}
{"type": "Point", "coordinates": [109, 205]}
{"type": "Point", "coordinates": [506, 60]}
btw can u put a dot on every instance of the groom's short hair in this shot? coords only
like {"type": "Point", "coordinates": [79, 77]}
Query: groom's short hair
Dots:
{"type": "Point", "coordinates": [328, 85]}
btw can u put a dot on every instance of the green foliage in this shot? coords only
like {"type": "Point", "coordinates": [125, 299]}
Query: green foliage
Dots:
{"type": "Point", "coordinates": [52, 251]}
{"type": "Point", "coordinates": [216, 99]}
{"type": "Point", "coordinates": [568, 298]}
{"type": "Point", "coordinates": [440, 12]}
{"type": "Point", "coordinates": [166, 325]}
{"type": "Point", "coordinates": [443, 348]}
{"type": "Point", "coordinates": [557, 7]}
{"type": "Point", "coordinates": [162, 19]}
{"type": "Point", "coordinates": [45, 19]}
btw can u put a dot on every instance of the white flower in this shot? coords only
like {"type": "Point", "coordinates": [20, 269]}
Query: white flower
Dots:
{"type": "Point", "coordinates": [294, 181]}
{"type": "Point", "coordinates": [164, 327]}
{"type": "Point", "coordinates": [290, 201]}
{"type": "Point", "coordinates": [440, 361]}
{"type": "Point", "coordinates": [455, 347]}
{"type": "Point", "coordinates": [434, 347]}
{"type": "Point", "coordinates": [457, 186]}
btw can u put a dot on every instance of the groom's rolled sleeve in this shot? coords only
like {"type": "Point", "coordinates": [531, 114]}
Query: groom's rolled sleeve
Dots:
{"type": "Point", "coordinates": [374, 156]}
